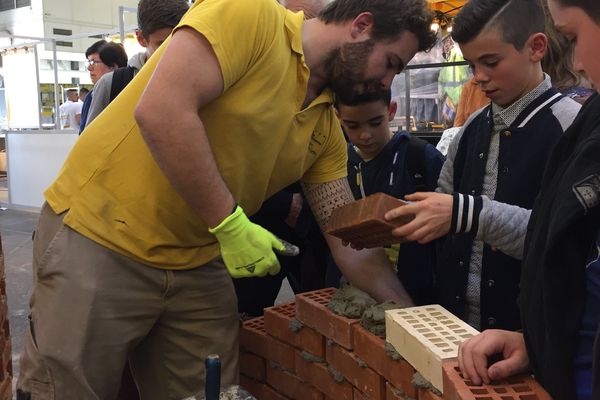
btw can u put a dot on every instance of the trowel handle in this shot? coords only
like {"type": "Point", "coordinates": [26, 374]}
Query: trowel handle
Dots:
{"type": "Point", "coordinates": [213, 377]}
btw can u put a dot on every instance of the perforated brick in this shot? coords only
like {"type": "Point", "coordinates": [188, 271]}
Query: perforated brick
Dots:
{"type": "Point", "coordinates": [522, 387]}
{"type": "Point", "coordinates": [254, 339]}
{"type": "Point", "coordinates": [290, 385]}
{"type": "Point", "coordinates": [371, 349]}
{"type": "Point", "coordinates": [320, 377]}
{"type": "Point", "coordinates": [311, 310]}
{"type": "Point", "coordinates": [426, 336]}
{"type": "Point", "coordinates": [253, 366]}
{"type": "Point", "coordinates": [362, 222]}
{"type": "Point", "coordinates": [370, 384]}
{"type": "Point", "coordinates": [277, 323]}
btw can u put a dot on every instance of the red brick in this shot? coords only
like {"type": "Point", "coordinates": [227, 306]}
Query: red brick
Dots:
{"type": "Point", "coordinates": [253, 366]}
{"type": "Point", "coordinates": [360, 376]}
{"type": "Point", "coordinates": [392, 393]}
{"type": "Point", "coordinates": [319, 376]}
{"type": "Point", "coordinates": [425, 394]}
{"type": "Point", "coordinates": [311, 310]}
{"type": "Point", "coordinates": [254, 339]}
{"type": "Point", "coordinates": [521, 387]}
{"type": "Point", "coordinates": [260, 390]}
{"type": "Point", "coordinates": [277, 323]}
{"type": "Point", "coordinates": [6, 389]}
{"type": "Point", "coordinates": [371, 349]}
{"type": "Point", "coordinates": [362, 222]}
{"type": "Point", "coordinates": [291, 385]}
{"type": "Point", "coordinates": [358, 395]}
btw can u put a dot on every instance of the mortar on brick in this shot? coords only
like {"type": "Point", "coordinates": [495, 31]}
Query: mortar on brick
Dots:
{"type": "Point", "coordinates": [392, 353]}
{"type": "Point", "coordinates": [279, 367]}
{"type": "Point", "coordinates": [311, 357]}
{"type": "Point", "coordinates": [295, 325]}
{"type": "Point", "coordinates": [337, 375]}
{"type": "Point", "coordinates": [373, 319]}
{"type": "Point", "coordinates": [350, 302]}
{"type": "Point", "coordinates": [360, 362]}
{"type": "Point", "coordinates": [419, 381]}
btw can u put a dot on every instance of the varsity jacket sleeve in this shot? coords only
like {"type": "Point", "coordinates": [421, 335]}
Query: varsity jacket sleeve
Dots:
{"type": "Point", "coordinates": [101, 97]}
{"type": "Point", "coordinates": [500, 225]}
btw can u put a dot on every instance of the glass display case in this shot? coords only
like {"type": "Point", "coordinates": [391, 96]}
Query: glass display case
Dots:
{"type": "Point", "coordinates": [428, 90]}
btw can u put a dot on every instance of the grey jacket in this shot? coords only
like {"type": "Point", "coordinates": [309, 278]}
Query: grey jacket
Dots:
{"type": "Point", "coordinates": [101, 96]}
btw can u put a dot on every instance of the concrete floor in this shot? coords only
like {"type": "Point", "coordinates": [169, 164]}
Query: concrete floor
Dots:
{"type": "Point", "coordinates": [16, 227]}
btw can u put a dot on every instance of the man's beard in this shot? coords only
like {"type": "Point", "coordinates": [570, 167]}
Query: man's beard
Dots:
{"type": "Point", "coordinates": [346, 66]}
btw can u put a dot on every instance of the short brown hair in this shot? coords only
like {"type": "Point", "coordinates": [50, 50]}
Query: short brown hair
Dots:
{"type": "Point", "coordinates": [154, 15]}
{"type": "Point", "coordinates": [392, 17]}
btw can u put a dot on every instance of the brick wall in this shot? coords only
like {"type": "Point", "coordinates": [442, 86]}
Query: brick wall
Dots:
{"type": "Point", "coordinates": [302, 350]}
{"type": "Point", "coordinates": [5, 355]}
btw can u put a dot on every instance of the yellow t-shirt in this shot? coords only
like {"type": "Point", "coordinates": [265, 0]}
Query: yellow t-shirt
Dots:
{"type": "Point", "coordinates": [115, 194]}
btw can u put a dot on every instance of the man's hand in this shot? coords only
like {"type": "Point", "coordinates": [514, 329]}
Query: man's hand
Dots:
{"type": "Point", "coordinates": [295, 209]}
{"type": "Point", "coordinates": [433, 217]}
{"type": "Point", "coordinates": [247, 248]}
{"type": "Point", "coordinates": [473, 356]}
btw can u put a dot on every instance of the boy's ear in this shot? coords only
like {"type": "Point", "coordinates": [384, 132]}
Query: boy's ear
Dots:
{"type": "Point", "coordinates": [361, 25]}
{"type": "Point", "coordinates": [537, 46]}
{"type": "Point", "coordinates": [140, 38]}
{"type": "Point", "coordinates": [392, 110]}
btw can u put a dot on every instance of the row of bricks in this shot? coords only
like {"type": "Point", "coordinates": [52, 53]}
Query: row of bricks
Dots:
{"type": "Point", "coordinates": [312, 310]}
{"type": "Point", "coordinates": [314, 381]}
{"type": "Point", "coordinates": [279, 344]}
{"type": "Point", "coordinates": [5, 358]}
{"type": "Point", "coordinates": [368, 368]}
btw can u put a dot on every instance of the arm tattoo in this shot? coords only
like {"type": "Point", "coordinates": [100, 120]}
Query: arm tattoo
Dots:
{"type": "Point", "coordinates": [323, 198]}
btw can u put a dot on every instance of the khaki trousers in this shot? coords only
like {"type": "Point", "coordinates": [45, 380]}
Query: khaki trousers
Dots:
{"type": "Point", "coordinates": [92, 309]}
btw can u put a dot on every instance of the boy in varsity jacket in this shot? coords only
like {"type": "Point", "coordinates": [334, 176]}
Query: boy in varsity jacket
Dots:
{"type": "Point", "coordinates": [492, 176]}
{"type": "Point", "coordinates": [397, 165]}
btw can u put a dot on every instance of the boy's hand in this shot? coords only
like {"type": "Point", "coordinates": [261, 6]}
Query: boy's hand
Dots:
{"type": "Point", "coordinates": [433, 217]}
{"type": "Point", "coordinates": [473, 355]}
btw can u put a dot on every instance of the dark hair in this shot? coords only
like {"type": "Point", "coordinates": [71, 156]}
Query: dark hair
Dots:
{"type": "Point", "coordinates": [391, 17]}
{"type": "Point", "coordinates": [159, 14]}
{"type": "Point", "coordinates": [113, 54]}
{"type": "Point", "coordinates": [356, 99]}
{"type": "Point", "coordinates": [95, 48]}
{"type": "Point", "coordinates": [83, 89]}
{"type": "Point", "coordinates": [558, 60]}
{"type": "Point", "coordinates": [73, 90]}
{"type": "Point", "coordinates": [514, 20]}
{"type": "Point", "coordinates": [590, 7]}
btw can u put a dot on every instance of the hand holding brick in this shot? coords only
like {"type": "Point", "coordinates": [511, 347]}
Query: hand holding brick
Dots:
{"type": "Point", "coordinates": [362, 222]}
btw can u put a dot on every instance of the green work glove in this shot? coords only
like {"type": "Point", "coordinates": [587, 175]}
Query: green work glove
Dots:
{"type": "Point", "coordinates": [247, 248]}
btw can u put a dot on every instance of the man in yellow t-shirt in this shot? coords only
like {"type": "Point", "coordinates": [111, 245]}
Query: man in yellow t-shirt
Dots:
{"type": "Point", "coordinates": [235, 106]}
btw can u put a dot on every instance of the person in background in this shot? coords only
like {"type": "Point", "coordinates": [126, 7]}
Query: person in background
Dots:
{"type": "Point", "coordinates": [494, 166]}
{"type": "Point", "coordinates": [70, 111]}
{"type": "Point", "coordinates": [83, 92]}
{"type": "Point", "coordinates": [560, 282]}
{"type": "Point", "coordinates": [148, 220]}
{"type": "Point", "coordinates": [156, 20]}
{"type": "Point", "coordinates": [472, 98]}
{"type": "Point", "coordinates": [558, 63]}
{"type": "Point", "coordinates": [397, 164]}
{"type": "Point", "coordinates": [102, 57]}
